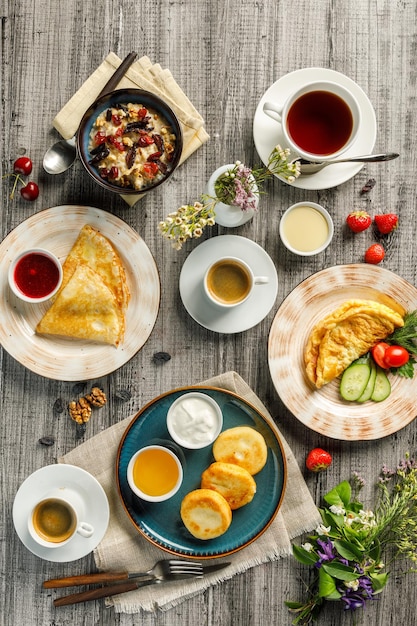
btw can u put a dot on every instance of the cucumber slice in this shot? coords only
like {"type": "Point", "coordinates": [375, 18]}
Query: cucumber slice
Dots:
{"type": "Point", "coordinates": [354, 380]}
{"type": "Point", "coordinates": [369, 389]}
{"type": "Point", "coordinates": [382, 387]}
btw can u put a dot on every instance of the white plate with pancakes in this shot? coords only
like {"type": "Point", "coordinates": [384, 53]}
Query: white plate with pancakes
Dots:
{"type": "Point", "coordinates": [323, 410]}
{"type": "Point", "coordinates": [160, 522]}
{"type": "Point", "coordinates": [56, 229]}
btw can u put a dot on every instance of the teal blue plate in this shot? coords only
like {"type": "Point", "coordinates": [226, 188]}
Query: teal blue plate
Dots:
{"type": "Point", "coordinates": [160, 523]}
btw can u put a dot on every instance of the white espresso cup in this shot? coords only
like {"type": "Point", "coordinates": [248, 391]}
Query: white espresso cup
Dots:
{"type": "Point", "coordinates": [229, 281]}
{"type": "Point", "coordinates": [57, 517]}
{"type": "Point", "coordinates": [320, 121]}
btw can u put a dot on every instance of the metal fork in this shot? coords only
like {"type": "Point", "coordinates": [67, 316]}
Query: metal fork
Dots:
{"type": "Point", "coordinates": [162, 571]}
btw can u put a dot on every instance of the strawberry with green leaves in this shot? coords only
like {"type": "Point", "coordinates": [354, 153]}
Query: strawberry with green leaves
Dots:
{"type": "Point", "coordinates": [318, 460]}
{"type": "Point", "coordinates": [358, 221]}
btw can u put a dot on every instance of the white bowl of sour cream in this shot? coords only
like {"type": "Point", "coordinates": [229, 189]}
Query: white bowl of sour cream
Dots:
{"type": "Point", "coordinates": [194, 420]}
{"type": "Point", "coordinates": [306, 228]}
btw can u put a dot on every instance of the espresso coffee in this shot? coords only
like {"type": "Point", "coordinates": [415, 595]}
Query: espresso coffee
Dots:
{"type": "Point", "coordinates": [54, 520]}
{"type": "Point", "coordinates": [228, 282]}
{"type": "Point", "coordinates": [320, 122]}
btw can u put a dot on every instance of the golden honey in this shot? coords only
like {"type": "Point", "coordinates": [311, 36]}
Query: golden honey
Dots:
{"type": "Point", "coordinates": [155, 472]}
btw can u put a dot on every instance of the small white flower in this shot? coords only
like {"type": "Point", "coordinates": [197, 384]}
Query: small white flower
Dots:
{"type": "Point", "coordinates": [307, 546]}
{"type": "Point", "coordinates": [337, 510]}
{"type": "Point", "coordinates": [352, 584]}
{"type": "Point", "coordinates": [323, 530]}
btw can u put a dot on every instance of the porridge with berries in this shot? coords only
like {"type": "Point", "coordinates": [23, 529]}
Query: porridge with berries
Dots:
{"type": "Point", "coordinates": [131, 146]}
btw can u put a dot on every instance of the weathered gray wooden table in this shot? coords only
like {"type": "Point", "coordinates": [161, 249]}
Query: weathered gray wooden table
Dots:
{"type": "Point", "coordinates": [225, 55]}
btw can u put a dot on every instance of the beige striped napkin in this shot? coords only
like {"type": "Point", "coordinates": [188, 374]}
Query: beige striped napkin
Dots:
{"type": "Point", "coordinates": [143, 74]}
{"type": "Point", "coordinates": [124, 549]}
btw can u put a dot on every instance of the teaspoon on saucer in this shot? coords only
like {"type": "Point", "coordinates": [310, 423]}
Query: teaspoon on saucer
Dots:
{"type": "Point", "coordinates": [312, 167]}
{"type": "Point", "coordinates": [59, 157]}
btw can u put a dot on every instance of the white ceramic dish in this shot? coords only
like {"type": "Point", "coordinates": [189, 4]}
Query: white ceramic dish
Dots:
{"type": "Point", "coordinates": [236, 319]}
{"type": "Point", "coordinates": [95, 501]}
{"type": "Point", "coordinates": [13, 284]}
{"type": "Point", "coordinates": [289, 244]}
{"type": "Point", "coordinates": [156, 469]}
{"type": "Point", "coordinates": [64, 359]}
{"type": "Point", "coordinates": [267, 132]}
{"type": "Point", "coordinates": [323, 410]}
{"type": "Point", "coordinates": [194, 420]}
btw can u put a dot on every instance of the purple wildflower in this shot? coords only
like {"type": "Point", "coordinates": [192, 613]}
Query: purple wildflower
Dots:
{"type": "Point", "coordinates": [326, 553]}
{"type": "Point", "coordinates": [356, 598]}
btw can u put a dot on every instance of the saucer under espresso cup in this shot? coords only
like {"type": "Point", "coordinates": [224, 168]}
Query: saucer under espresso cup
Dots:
{"type": "Point", "coordinates": [56, 518]}
{"type": "Point", "coordinates": [229, 281]}
{"type": "Point", "coordinates": [320, 120]}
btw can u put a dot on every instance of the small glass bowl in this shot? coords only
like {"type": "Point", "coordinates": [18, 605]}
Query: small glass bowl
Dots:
{"type": "Point", "coordinates": [325, 221]}
{"type": "Point", "coordinates": [18, 290]}
{"type": "Point", "coordinates": [190, 426]}
{"type": "Point", "coordinates": [143, 495]}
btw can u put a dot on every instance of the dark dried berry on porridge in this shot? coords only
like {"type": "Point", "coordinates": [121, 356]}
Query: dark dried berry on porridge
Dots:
{"type": "Point", "coordinates": [159, 142]}
{"type": "Point", "coordinates": [130, 156]}
{"type": "Point", "coordinates": [108, 115]}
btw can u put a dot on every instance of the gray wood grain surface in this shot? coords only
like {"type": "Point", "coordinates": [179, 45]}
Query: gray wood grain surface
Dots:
{"type": "Point", "coordinates": [224, 54]}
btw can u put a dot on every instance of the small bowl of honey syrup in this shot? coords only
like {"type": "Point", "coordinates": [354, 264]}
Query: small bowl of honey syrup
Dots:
{"type": "Point", "coordinates": [35, 275]}
{"type": "Point", "coordinates": [154, 473]}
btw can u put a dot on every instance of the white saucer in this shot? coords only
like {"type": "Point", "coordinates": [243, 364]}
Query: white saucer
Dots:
{"type": "Point", "coordinates": [96, 504]}
{"type": "Point", "coordinates": [240, 318]}
{"type": "Point", "coordinates": [267, 133]}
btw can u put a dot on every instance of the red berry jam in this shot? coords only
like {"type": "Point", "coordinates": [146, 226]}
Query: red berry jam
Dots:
{"type": "Point", "coordinates": [36, 275]}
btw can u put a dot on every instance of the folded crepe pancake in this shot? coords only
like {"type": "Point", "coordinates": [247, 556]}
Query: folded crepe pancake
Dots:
{"type": "Point", "coordinates": [95, 250]}
{"type": "Point", "coordinates": [345, 335]}
{"type": "Point", "coordinates": [84, 309]}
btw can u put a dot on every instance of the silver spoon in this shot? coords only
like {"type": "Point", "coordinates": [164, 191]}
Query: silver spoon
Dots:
{"type": "Point", "coordinates": [311, 167]}
{"type": "Point", "coordinates": [59, 157]}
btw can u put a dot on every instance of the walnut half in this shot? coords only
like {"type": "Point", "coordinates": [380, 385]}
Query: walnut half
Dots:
{"type": "Point", "coordinates": [80, 411]}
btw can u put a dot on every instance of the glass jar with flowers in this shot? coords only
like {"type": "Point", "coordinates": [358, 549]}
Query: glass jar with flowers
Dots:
{"type": "Point", "coordinates": [231, 198]}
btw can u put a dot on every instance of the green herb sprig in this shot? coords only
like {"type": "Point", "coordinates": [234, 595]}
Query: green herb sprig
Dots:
{"type": "Point", "coordinates": [406, 336]}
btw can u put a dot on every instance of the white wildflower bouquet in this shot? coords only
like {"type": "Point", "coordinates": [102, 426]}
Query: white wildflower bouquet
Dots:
{"type": "Point", "coordinates": [351, 550]}
{"type": "Point", "coordinates": [238, 186]}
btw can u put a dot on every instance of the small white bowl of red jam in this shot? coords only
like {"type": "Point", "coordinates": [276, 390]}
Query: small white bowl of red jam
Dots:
{"type": "Point", "coordinates": [35, 275]}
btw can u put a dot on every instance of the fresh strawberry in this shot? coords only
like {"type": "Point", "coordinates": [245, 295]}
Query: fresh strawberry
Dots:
{"type": "Point", "coordinates": [374, 254]}
{"type": "Point", "coordinates": [386, 223]}
{"type": "Point", "coordinates": [358, 221]}
{"type": "Point", "coordinates": [318, 460]}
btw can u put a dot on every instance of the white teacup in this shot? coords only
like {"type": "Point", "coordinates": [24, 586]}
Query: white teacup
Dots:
{"type": "Point", "coordinates": [57, 517]}
{"type": "Point", "coordinates": [320, 121]}
{"type": "Point", "coordinates": [229, 281]}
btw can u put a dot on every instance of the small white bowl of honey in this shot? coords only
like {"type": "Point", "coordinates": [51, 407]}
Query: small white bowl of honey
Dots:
{"type": "Point", "coordinates": [306, 228]}
{"type": "Point", "coordinates": [154, 473]}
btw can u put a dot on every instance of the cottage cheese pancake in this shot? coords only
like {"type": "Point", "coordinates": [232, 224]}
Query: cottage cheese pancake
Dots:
{"type": "Point", "coordinates": [234, 483]}
{"type": "Point", "coordinates": [243, 446]}
{"type": "Point", "coordinates": [205, 513]}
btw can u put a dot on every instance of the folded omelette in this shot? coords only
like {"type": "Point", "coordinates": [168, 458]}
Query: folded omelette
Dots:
{"type": "Point", "coordinates": [92, 301]}
{"type": "Point", "coordinates": [345, 335]}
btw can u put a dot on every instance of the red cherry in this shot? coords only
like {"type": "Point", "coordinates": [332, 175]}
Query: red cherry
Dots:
{"type": "Point", "coordinates": [30, 191]}
{"type": "Point", "coordinates": [22, 165]}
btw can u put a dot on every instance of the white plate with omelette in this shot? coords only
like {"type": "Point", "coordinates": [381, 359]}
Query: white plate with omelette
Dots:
{"type": "Point", "coordinates": [323, 410]}
{"type": "Point", "coordinates": [65, 358]}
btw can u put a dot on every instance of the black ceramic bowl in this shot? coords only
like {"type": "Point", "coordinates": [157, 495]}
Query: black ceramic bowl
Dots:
{"type": "Point", "coordinates": [122, 97]}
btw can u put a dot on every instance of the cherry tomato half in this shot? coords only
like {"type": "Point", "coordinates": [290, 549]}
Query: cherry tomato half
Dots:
{"type": "Point", "coordinates": [378, 354]}
{"type": "Point", "coordinates": [395, 356]}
